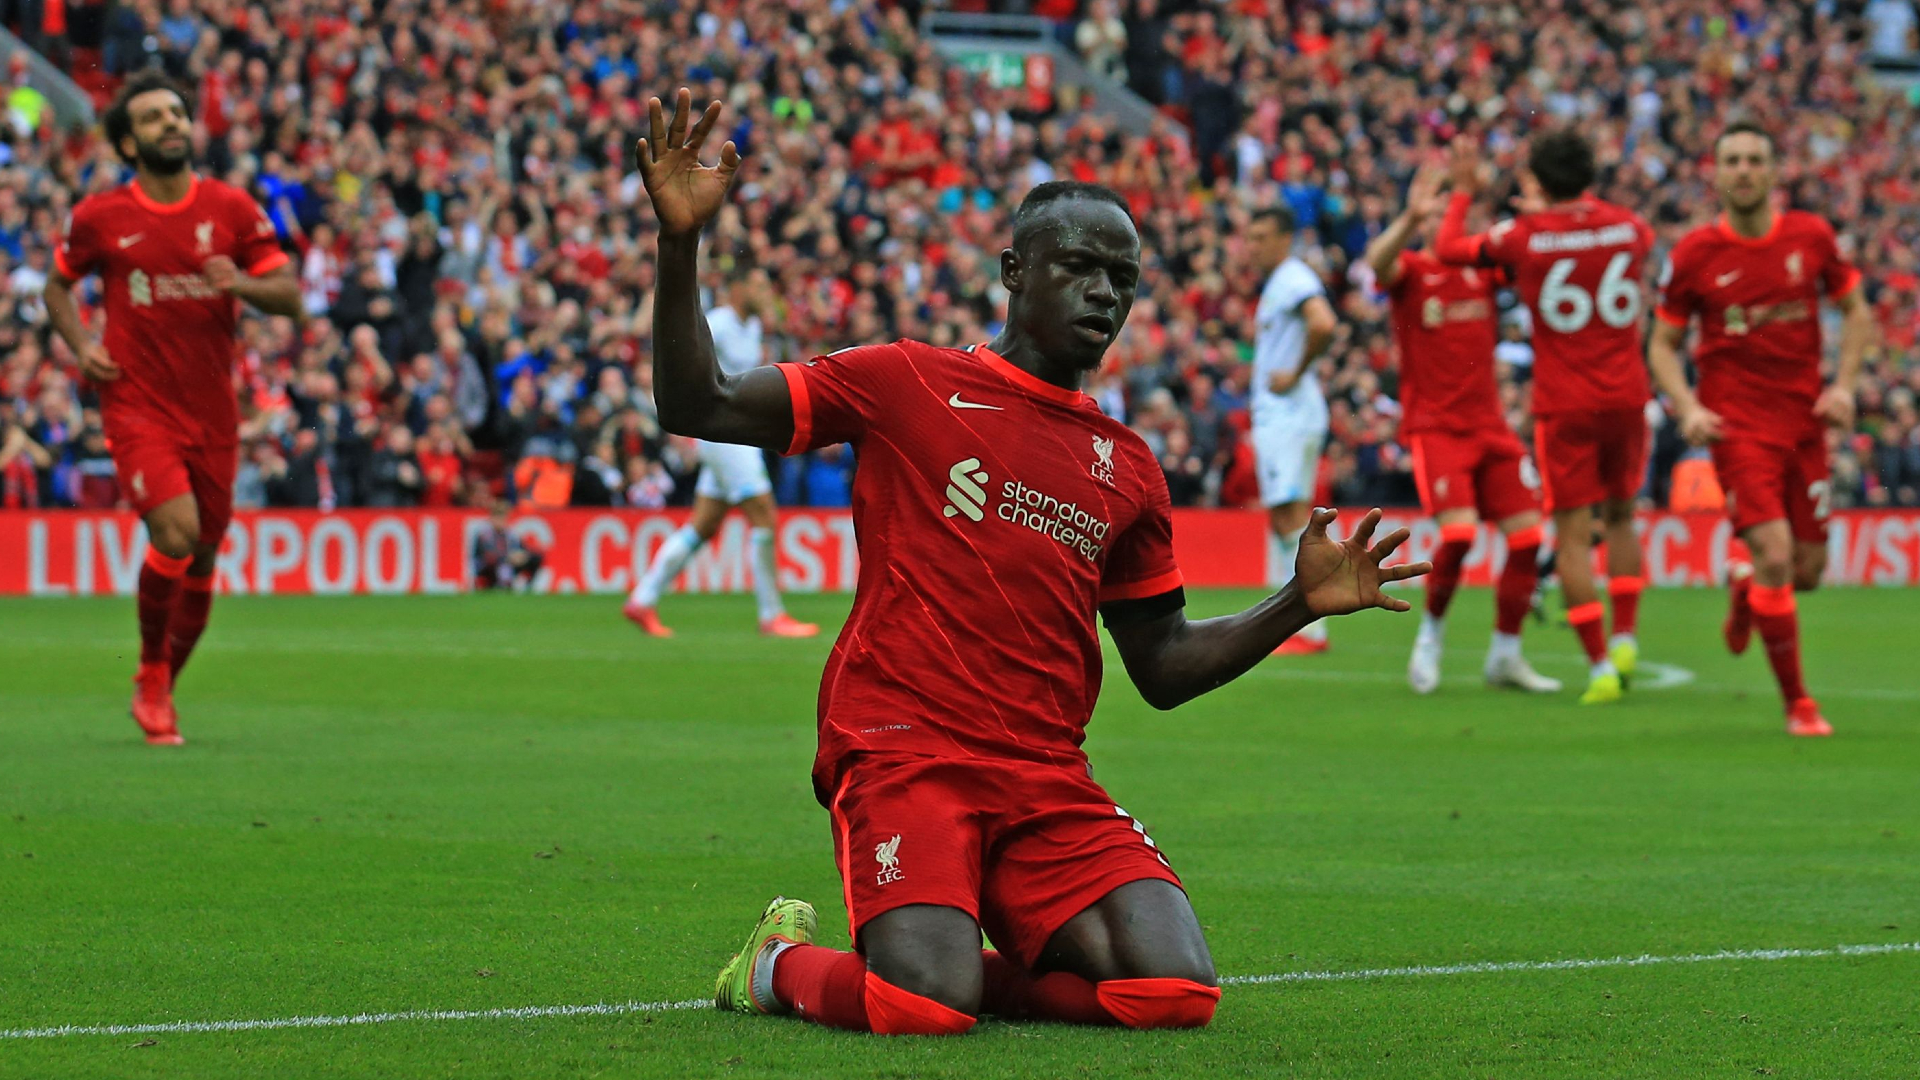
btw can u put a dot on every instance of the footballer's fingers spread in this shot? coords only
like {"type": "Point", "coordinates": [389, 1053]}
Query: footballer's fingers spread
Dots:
{"type": "Point", "coordinates": [677, 131]}
{"type": "Point", "coordinates": [1393, 603]}
{"type": "Point", "coordinates": [1386, 547]}
{"type": "Point", "coordinates": [656, 124]}
{"type": "Point", "coordinates": [1363, 532]}
{"type": "Point", "coordinates": [1405, 571]}
{"type": "Point", "coordinates": [698, 137]}
{"type": "Point", "coordinates": [1317, 523]}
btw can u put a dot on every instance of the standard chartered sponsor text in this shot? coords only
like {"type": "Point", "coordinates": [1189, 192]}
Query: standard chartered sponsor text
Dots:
{"type": "Point", "coordinates": [1065, 522]}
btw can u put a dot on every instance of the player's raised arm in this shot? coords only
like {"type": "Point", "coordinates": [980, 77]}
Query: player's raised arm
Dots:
{"type": "Point", "coordinates": [1172, 659]}
{"type": "Point", "coordinates": [1423, 201]}
{"type": "Point", "coordinates": [1452, 244]}
{"type": "Point", "coordinates": [693, 395]}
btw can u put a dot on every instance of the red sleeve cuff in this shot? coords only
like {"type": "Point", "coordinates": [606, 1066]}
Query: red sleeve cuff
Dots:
{"type": "Point", "coordinates": [1140, 590]}
{"type": "Point", "coordinates": [60, 264]}
{"type": "Point", "coordinates": [271, 262]}
{"type": "Point", "coordinates": [1853, 282]}
{"type": "Point", "coordinates": [802, 407]}
{"type": "Point", "coordinates": [1669, 317]}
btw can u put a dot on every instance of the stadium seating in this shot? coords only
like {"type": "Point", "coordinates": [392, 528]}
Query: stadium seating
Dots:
{"type": "Point", "coordinates": [457, 178]}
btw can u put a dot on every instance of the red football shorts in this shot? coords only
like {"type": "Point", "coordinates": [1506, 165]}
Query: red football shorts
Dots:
{"type": "Point", "coordinates": [1481, 471]}
{"type": "Point", "coordinates": [1022, 847]}
{"type": "Point", "coordinates": [153, 469]}
{"type": "Point", "coordinates": [1587, 458]}
{"type": "Point", "coordinates": [1767, 483]}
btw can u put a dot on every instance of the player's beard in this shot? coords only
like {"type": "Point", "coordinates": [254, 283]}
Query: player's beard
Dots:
{"type": "Point", "coordinates": [161, 161]}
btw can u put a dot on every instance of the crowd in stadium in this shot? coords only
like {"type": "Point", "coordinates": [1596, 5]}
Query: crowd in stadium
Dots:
{"type": "Point", "coordinates": [455, 180]}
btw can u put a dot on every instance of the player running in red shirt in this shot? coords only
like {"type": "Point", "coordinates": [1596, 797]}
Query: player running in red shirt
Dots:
{"type": "Point", "coordinates": [175, 253]}
{"type": "Point", "coordinates": [1754, 279]}
{"type": "Point", "coordinates": [997, 509]}
{"type": "Point", "coordinates": [1576, 261]}
{"type": "Point", "coordinates": [1466, 460]}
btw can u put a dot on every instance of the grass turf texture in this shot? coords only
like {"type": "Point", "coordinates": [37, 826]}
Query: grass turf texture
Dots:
{"type": "Point", "coordinates": [497, 801]}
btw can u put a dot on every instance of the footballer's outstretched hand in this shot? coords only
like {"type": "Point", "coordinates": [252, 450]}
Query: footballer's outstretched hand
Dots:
{"type": "Point", "coordinates": [1337, 577]}
{"type": "Point", "coordinates": [685, 193]}
{"type": "Point", "coordinates": [1836, 407]}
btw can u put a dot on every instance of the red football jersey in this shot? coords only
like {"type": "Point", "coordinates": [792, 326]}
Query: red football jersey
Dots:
{"type": "Point", "coordinates": [1577, 266]}
{"type": "Point", "coordinates": [1446, 326]}
{"type": "Point", "coordinates": [1758, 302]}
{"type": "Point", "coordinates": [171, 333]}
{"type": "Point", "coordinates": [993, 513]}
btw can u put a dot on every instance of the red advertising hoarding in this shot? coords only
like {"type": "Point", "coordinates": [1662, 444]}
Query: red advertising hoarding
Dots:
{"type": "Point", "coordinates": [74, 553]}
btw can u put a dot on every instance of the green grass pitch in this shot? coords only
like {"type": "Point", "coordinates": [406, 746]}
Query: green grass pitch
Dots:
{"type": "Point", "coordinates": [476, 803]}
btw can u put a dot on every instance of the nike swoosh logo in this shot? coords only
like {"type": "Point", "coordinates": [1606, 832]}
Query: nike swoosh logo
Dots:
{"type": "Point", "coordinates": [958, 404]}
{"type": "Point", "coordinates": [1727, 279]}
{"type": "Point", "coordinates": [129, 241]}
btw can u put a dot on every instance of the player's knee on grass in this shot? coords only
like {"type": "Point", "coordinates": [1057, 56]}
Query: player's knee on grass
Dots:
{"type": "Point", "coordinates": [927, 951]}
{"type": "Point", "coordinates": [1141, 930]}
{"type": "Point", "coordinates": [894, 1011]}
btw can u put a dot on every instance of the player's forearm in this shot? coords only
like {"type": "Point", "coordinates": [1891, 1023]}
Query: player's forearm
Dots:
{"type": "Point", "coordinates": [1194, 657]}
{"type": "Point", "coordinates": [688, 386]}
{"type": "Point", "coordinates": [1383, 254]}
{"type": "Point", "coordinates": [1663, 358]}
{"type": "Point", "coordinates": [1452, 244]}
{"type": "Point", "coordinates": [275, 294]}
{"type": "Point", "coordinates": [1855, 335]}
{"type": "Point", "coordinates": [1318, 339]}
{"type": "Point", "coordinates": [64, 314]}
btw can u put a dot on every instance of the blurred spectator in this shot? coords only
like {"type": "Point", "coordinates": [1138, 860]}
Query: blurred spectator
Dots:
{"type": "Point", "coordinates": [501, 558]}
{"type": "Point", "coordinates": [475, 250]}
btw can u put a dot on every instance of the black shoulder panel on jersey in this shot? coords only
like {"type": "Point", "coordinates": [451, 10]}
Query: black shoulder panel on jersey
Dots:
{"type": "Point", "coordinates": [1145, 609]}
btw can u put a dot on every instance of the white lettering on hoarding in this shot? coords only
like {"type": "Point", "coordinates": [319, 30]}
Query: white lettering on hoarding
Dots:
{"type": "Point", "coordinates": [37, 551]}
{"type": "Point", "coordinates": [799, 536]}
{"type": "Point", "coordinates": [594, 577]}
{"type": "Point", "coordinates": [335, 533]}
{"type": "Point", "coordinates": [390, 532]}
{"type": "Point", "coordinates": [277, 548]}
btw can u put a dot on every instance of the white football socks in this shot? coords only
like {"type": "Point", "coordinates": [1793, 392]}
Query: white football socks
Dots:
{"type": "Point", "coordinates": [666, 566]}
{"type": "Point", "coordinates": [766, 589]}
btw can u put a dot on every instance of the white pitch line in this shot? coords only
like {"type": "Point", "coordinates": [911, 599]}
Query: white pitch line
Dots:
{"type": "Point", "coordinates": [190, 1027]}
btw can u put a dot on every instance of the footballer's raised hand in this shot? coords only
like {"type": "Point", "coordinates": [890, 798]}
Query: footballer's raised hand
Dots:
{"type": "Point", "coordinates": [685, 193]}
{"type": "Point", "coordinates": [1337, 577]}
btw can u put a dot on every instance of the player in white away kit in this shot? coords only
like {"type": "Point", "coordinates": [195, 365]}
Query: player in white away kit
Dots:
{"type": "Point", "coordinates": [730, 476]}
{"type": "Point", "coordinates": [1289, 411]}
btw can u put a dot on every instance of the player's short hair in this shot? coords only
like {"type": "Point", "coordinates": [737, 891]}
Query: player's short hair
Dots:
{"type": "Point", "coordinates": [117, 122]}
{"type": "Point", "coordinates": [1745, 127]}
{"type": "Point", "coordinates": [1281, 215]}
{"type": "Point", "coordinates": [1563, 163]}
{"type": "Point", "coordinates": [1032, 212]}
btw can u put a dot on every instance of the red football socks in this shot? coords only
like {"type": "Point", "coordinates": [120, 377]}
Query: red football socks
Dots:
{"type": "Point", "coordinates": [825, 986]}
{"type": "Point", "coordinates": [1013, 993]}
{"type": "Point", "coordinates": [1588, 620]}
{"type": "Point", "coordinates": [893, 1011]}
{"type": "Point", "coordinates": [1513, 593]}
{"type": "Point", "coordinates": [1625, 594]}
{"type": "Point", "coordinates": [1775, 613]}
{"type": "Point", "coordinates": [1159, 1003]}
{"type": "Point", "coordinates": [159, 584]}
{"type": "Point", "coordinates": [835, 989]}
{"type": "Point", "coordinates": [1455, 542]}
{"type": "Point", "coordinates": [189, 620]}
